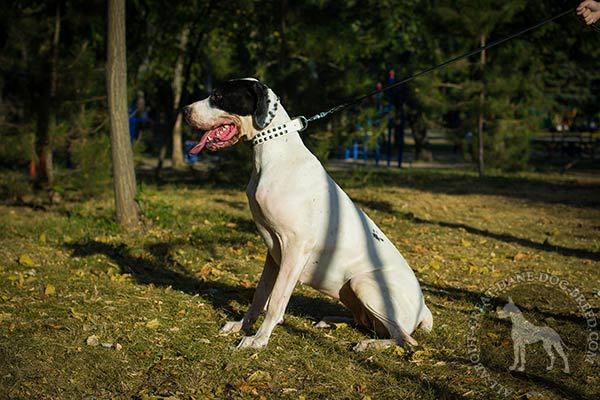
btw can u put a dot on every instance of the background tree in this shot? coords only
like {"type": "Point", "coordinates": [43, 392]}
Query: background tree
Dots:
{"type": "Point", "coordinates": [122, 154]}
{"type": "Point", "coordinates": [169, 58]}
{"type": "Point", "coordinates": [314, 54]}
{"type": "Point", "coordinates": [476, 22]}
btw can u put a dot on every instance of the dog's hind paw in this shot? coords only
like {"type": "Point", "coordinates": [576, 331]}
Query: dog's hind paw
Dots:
{"type": "Point", "coordinates": [252, 342]}
{"type": "Point", "coordinates": [231, 327]}
{"type": "Point", "coordinates": [376, 344]}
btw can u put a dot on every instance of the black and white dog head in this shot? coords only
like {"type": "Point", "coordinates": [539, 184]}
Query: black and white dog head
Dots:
{"type": "Point", "coordinates": [237, 108]}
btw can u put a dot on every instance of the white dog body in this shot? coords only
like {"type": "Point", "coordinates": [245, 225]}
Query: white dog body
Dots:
{"type": "Point", "coordinates": [316, 235]}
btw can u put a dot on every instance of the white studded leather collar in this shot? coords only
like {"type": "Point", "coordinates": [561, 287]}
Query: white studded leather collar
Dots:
{"type": "Point", "coordinates": [296, 125]}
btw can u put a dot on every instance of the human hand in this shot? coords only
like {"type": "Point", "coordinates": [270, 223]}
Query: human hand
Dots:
{"type": "Point", "coordinates": [589, 11]}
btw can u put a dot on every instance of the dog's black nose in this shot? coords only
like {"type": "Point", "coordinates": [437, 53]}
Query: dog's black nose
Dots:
{"type": "Point", "coordinates": [187, 113]}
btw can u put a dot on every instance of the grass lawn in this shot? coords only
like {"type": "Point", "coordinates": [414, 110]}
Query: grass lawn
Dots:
{"type": "Point", "coordinates": [87, 312]}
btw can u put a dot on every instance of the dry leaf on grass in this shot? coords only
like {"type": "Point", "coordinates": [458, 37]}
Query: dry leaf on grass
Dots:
{"type": "Point", "coordinates": [259, 375]}
{"type": "Point", "coordinates": [92, 341]}
{"type": "Point", "coordinates": [153, 324]}
{"type": "Point", "coordinates": [4, 316]}
{"type": "Point", "coordinates": [399, 351]}
{"type": "Point", "coordinates": [50, 290]}
{"type": "Point", "coordinates": [435, 265]}
{"type": "Point", "coordinates": [26, 260]}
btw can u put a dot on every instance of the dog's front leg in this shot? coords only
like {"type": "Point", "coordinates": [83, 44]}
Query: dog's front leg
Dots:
{"type": "Point", "coordinates": [261, 295]}
{"type": "Point", "coordinates": [292, 263]}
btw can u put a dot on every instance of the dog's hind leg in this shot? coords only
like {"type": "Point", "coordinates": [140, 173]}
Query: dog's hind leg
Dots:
{"type": "Point", "coordinates": [426, 323]}
{"type": "Point", "coordinates": [363, 318]}
{"type": "Point", "coordinates": [368, 304]}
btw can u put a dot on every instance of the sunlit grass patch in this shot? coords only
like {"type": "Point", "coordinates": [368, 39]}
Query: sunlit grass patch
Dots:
{"type": "Point", "coordinates": [86, 311]}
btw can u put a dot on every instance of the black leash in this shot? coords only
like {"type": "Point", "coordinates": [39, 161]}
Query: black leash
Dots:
{"type": "Point", "coordinates": [430, 69]}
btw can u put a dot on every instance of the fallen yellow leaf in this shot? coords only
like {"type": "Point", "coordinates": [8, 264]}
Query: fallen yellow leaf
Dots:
{"type": "Point", "coordinates": [50, 289]}
{"type": "Point", "coordinates": [259, 376]}
{"type": "Point", "coordinates": [4, 316]}
{"type": "Point", "coordinates": [260, 257]}
{"type": "Point", "coordinates": [153, 324]}
{"type": "Point", "coordinates": [419, 355]}
{"type": "Point", "coordinates": [399, 351]}
{"type": "Point", "coordinates": [26, 260]}
{"type": "Point", "coordinates": [75, 314]}
{"type": "Point", "coordinates": [340, 325]}
{"type": "Point", "coordinates": [520, 257]}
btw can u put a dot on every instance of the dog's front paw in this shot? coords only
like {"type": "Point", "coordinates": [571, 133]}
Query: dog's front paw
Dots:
{"type": "Point", "coordinates": [252, 342]}
{"type": "Point", "coordinates": [231, 327]}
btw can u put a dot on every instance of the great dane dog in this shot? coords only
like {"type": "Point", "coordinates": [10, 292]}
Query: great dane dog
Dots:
{"type": "Point", "coordinates": [314, 233]}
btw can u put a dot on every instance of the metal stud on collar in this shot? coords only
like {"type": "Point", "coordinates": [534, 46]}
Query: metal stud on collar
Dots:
{"type": "Point", "coordinates": [295, 125]}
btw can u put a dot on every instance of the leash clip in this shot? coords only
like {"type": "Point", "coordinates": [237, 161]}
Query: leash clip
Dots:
{"type": "Point", "coordinates": [304, 122]}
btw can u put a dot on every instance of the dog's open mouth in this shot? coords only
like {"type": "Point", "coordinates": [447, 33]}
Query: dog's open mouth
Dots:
{"type": "Point", "coordinates": [225, 135]}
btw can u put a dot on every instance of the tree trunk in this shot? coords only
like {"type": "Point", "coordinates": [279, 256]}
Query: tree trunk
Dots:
{"type": "Point", "coordinates": [43, 146]}
{"type": "Point", "coordinates": [480, 116]}
{"type": "Point", "coordinates": [177, 154]}
{"type": "Point", "coordinates": [418, 127]}
{"type": "Point", "coordinates": [43, 149]}
{"type": "Point", "coordinates": [122, 153]}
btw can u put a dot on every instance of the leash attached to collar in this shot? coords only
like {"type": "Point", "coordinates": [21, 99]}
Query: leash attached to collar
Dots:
{"type": "Point", "coordinates": [298, 124]}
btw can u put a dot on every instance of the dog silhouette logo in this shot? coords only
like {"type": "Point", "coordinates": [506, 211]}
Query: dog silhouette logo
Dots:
{"type": "Point", "coordinates": [524, 332]}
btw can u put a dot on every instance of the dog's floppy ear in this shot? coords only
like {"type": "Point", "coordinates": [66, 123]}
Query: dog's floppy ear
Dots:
{"type": "Point", "coordinates": [266, 105]}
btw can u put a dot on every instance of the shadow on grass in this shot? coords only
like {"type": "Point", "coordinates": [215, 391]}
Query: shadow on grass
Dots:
{"type": "Point", "coordinates": [504, 237]}
{"type": "Point", "coordinates": [563, 385]}
{"type": "Point", "coordinates": [388, 207]}
{"type": "Point", "coordinates": [162, 270]}
{"type": "Point", "coordinates": [567, 192]}
{"type": "Point", "coordinates": [442, 383]}
{"type": "Point", "coordinates": [552, 191]}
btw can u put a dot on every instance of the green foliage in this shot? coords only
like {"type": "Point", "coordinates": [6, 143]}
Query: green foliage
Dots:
{"type": "Point", "coordinates": [507, 145]}
{"type": "Point", "coordinates": [92, 163]}
{"type": "Point", "coordinates": [16, 147]}
{"type": "Point", "coordinates": [313, 53]}
{"type": "Point", "coordinates": [321, 144]}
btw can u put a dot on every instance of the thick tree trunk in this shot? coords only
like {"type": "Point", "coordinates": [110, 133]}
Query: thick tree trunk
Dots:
{"type": "Point", "coordinates": [480, 116]}
{"type": "Point", "coordinates": [122, 153]}
{"type": "Point", "coordinates": [177, 154]}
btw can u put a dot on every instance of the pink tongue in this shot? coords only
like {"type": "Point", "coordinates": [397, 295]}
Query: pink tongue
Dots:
{"type": "Point", "coordinates": [217, 133]}
{"type": "Point", "coordinates": [198, 148]}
